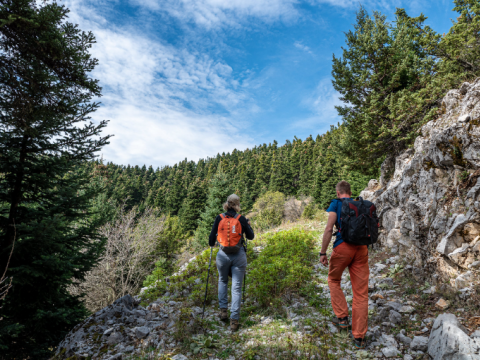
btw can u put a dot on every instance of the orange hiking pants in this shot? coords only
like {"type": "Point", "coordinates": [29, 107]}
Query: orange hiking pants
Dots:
{"type": "Point", "coordinates": [355, 257]}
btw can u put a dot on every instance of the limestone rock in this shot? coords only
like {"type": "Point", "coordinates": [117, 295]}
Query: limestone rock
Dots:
{"type": "Point", "coordinates": [404, 339]}
{"type": "Point", "coordinates": [390, 352]}
{"type": "Point", "coordinates": [179, 357]}
{"type": "Point", "coordinates": [419, 343]}
{"type": "Point", "coordinates": [395, 317]}
{"type": "Point", "coordinates": [442, 304]}
{"type": "Point", "coordinates": [464, 280]}
{"type": "Point", "coordinates": [448, 340]}
{"type": "Point", "coordinates": [414, 213]}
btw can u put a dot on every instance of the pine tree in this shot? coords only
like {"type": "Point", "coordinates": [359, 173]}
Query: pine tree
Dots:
{"type": "Point", "coordinates": [45, 138]}
{"type": "Point", "coordinates": [217, 195]}
{"type": "Point", "coordinates": [193, 205]}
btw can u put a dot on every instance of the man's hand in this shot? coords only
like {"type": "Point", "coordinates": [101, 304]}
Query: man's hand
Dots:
{"type": "Point", "coordinates": [324, 260]}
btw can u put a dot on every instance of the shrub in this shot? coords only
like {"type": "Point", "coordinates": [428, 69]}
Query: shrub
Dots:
{"type": "Point", "coordinates": [269, 210]}
{"type": "Point", "coordinates": [309, 211]}
{"type": "Point", "coordinates": [283, 266]}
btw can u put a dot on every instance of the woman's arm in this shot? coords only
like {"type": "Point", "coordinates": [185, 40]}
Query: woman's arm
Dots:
{"type": "Point", "coordinates": [213, 234]}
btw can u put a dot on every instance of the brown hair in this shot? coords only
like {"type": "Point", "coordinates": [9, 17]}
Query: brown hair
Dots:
{"type": "Point", "coordinates": [233, 202]}
{"type": "Point", "coordinates": [343, 187]}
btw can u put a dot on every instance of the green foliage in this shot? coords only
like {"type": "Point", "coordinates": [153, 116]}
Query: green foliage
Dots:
{"type": "Point", "coordinates": [309, 211]}
{"type": "Point", "coordinates": [269, 210]}
{"type": "Point", "coordinates": [283, 266]}
{"type": "Point", "coordinates": [381, 64]}
{"type": "Point", "coordinates": [168, 243]}
{"type": "Point", "coordinates": [217, 195]}
{"type": "Point", "coordinates": [157, 274]}
{"type": "Point", "coordinates": [197, 269]}
{"type": "Point", "coordinates": [48, 202]}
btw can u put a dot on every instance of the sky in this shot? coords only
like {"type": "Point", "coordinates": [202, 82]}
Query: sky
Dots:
{"type": "Point", "coordinates": [193, 78]}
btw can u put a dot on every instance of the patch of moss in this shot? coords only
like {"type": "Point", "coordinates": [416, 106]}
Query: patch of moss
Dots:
{"type": "Point", "coordinates": [455, 150]}
{"type": "Point", "coordinates": [428, 164]}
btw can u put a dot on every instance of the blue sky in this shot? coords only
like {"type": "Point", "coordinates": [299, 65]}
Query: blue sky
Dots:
{"type": "Point", "coordinates": [193, 78]}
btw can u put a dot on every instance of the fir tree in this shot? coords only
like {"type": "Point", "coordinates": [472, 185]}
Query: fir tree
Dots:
{"type": "Point", "coordinates": [217, 195]}
{"type": "Point", "coordinates": [45, 137]}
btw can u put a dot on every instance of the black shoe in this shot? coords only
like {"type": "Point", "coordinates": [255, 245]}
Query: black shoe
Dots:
{"type": "Point", "coordinates": [342, 323]}
{"type": "Point", "coordinates": [359, 343]}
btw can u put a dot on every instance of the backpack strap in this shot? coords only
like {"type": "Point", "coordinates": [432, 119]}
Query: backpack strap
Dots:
{"type": "Point", "coordinates": [222, 216]}
{"type": "Point", "coordinates": [237, 216]}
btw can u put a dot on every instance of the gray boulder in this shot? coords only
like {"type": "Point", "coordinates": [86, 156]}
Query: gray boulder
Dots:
{"type": "Point", "coordinates": [115, 338]}
{"type": "Point", "coordinates": [142, 332]}
{"type": "Point", "coordinates": [127, 301]}
{"type": "Point", "coordinates": [179, 357]}
{"type": "Point", "coordinates": [390, 351]}
{"type": "Point", "coordinates": [449, 342]}
{"type": "Point", "coordinates": [404, 339]}
{"type": "Point", "coordinates": [395, 317]}
{"type": "Point", "coordinates": [419, 343]}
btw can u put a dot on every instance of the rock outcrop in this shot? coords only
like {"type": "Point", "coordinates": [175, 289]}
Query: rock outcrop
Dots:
{"type": "Point", "coordinates": [449, 341]}
{"type": "Point", "coordinates": [430, 208]}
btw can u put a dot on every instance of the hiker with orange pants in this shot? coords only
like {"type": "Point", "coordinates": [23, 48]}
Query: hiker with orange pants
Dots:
{"type": "Point", "coordinates": [361, 227]}
{"type": "Point", "coordinates": [229, 229]}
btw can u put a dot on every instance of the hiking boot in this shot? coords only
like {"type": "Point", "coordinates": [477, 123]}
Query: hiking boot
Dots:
{"type": "Point", "coordinates": [359, 343]}
{"type": "Point", "coordinates": [342, 323]}
{"type": "Point", "coordinates": [223, 314]}
{"type": "Point", "coordinates": [234, 325]}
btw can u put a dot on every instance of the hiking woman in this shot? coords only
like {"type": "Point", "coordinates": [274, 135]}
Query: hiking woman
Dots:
{"type": "Point", "coordinates": [229, 229]}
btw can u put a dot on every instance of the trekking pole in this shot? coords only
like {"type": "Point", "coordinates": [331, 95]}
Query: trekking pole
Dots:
{"type": "Point", "coordinates": [206, 286]}
{"type": "Point", "coordinates": [244, 276]}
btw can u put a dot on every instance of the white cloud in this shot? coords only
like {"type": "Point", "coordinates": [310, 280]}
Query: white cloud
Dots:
{"type": "Point", "coordinates": [299, 45]}
{"type": "Point", "coordinates": [322, 103]}
{"type": "Point", "coordinates": [160, 98]}
{"type": "Point", "coordinates": [212, 13]}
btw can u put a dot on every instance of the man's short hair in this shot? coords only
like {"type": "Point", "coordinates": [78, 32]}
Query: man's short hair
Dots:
{"type": "Point", "coordinates": [343, 187]}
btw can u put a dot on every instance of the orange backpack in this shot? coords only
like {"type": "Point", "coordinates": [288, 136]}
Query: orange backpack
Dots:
{"type": "Point", "coordinates": [229, 234]}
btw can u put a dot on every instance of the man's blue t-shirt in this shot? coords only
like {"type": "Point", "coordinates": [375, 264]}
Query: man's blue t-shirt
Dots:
{"type": "Point", "coordinates": [336, 206]}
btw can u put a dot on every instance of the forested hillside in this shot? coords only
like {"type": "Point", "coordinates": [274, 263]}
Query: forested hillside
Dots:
{"type": "Point", "coordinates": [299, 168]}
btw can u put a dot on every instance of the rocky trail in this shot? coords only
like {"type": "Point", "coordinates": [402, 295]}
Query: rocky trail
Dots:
{"type": "Point", "coordinates": [401, 325]}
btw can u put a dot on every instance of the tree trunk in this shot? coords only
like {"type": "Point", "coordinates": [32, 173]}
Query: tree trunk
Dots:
{"type": "Point", "coordinates": [17, 194]}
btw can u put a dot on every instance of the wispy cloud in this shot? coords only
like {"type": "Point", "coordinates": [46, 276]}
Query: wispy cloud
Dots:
{"type": "Point", "coordinates": [213, 13]}
{"type": "Point", "coordinates": [299, 45]}
{"type": "Point", "coordinates": [322, 103]}
{"type": "Point", "coordinates": [165, 103]}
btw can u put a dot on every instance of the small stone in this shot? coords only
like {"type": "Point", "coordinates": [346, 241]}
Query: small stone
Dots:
{"type": "Point", "coordinates": [406, 309]}
{"type": "Point", "coordinates": [442, 304]}
{"type": "Point", "coordinates": [377, 296]}
{"type": "Point", "coordinates": [115, 338]}
{"type": "Point", "coordinates": [179, 357]}
{"type": "Point", "coordinates": [142, 332]}
{"type": "Point", "coordinates": [476, 334]}
{"type": "Point", "coordinates": [390, 351]}
{"type": "Point", "coordinates": [407, 357]}
{"type": "Point", "coordinates": [198, 281]}
{"type": "Point", "coordinates": [419, 343]}
{"type": "Point", "coordinates": [404, 339]}
{"type": "Point", "coordinates": [108, 332]}
{"type": "Point", "coordinates": [395, 317]}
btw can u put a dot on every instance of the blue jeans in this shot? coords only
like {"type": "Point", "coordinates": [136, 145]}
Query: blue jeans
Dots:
{"type": "Point", "coordinates": [238, 263]}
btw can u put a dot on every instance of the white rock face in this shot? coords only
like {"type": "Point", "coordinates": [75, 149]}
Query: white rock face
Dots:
{"type": "Point", "coordinates": [430, 207]}
{"type": "Point", "coordinates": [449, 342]}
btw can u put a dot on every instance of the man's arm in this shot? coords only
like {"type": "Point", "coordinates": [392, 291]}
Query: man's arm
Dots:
{"type": "Point", "coordinates": [327, 236]}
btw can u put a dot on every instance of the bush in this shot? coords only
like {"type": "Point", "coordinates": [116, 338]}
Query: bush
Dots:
{"type": "Point", "coordinates": [309, 211]}
{"type": "Point", "coordinates": [269, 210]}
{"type": "Point", "coordinates": [283, 266]}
